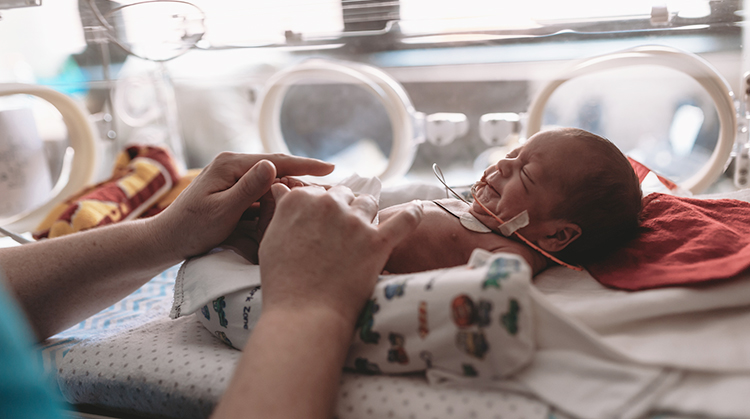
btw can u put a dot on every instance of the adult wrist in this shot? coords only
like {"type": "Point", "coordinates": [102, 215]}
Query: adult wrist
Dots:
{"type": "Point", "coordinates": [157, 237]}
{"type": "Point", "coordinates": [316, 315]}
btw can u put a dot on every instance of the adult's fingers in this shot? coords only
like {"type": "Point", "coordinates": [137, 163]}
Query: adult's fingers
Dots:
{"type": "Point", "coordinates": [254, 183]}
{"type": "Point", "coordinates": [279, 190]}
{"type": "Point", "coordinates": [342, 194]}
{"type": "Point", "coordinates": [234, 165]}
{"type": "Point", "coordinates": [287, 165]}
{"type": "Point", "coordinates": [397, 227]}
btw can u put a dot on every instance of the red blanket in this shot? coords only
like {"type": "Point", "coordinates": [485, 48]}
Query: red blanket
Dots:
{"type": "Point", "coordinates": [683, 241]}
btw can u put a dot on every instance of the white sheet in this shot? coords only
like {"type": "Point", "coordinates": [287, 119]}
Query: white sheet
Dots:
{"type": "Point", "coordinates": [573, 370]}
{"type": "Point", "coordinates": [701, 330]}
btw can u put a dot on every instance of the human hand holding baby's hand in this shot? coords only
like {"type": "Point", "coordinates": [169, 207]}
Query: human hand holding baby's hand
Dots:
{"type": "Point", "coordinates": [322, 252]}
{"type": "Point", "coordinates": [208, 211]}
{"type": "Point", "coordinates": [268, 204]}
{"type": "Point", "coordinates": [247, 235]}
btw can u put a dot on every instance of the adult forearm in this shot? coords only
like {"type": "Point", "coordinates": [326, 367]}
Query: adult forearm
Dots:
{"type": "Point", "coordinates": [61, 281]}
{"type": "Point", "coordinates": [290, 367]}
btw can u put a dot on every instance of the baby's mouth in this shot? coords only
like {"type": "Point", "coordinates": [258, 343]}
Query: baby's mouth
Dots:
{"type": "Point", "coordinates": [483, 183]}
{"type": "Point", "coordinates": [479, 188]}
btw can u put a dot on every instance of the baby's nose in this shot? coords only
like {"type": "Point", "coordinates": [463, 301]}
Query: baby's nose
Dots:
{"type": "Point", "coordinates": [504, 167]}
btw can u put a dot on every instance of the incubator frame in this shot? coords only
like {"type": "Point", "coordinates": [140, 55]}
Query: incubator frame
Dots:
{"type": "Point", "coordinates": [683, 61]}
{"type": "Point", "coordinates": [409, 125]}
{"type": "Point", "coordinates": [405, 121]}
{"type": "Point", "coordinates": [80, 158]}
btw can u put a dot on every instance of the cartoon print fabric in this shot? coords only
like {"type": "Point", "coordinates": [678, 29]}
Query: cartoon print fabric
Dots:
{"type": "Point", "coordinates": [473, 320]}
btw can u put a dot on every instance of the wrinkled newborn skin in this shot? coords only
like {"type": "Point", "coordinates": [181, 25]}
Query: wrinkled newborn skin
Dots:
{"type": "Point", "coordinates": [529, 178]}
{"type": "Point", "coordinates": [440, 241]}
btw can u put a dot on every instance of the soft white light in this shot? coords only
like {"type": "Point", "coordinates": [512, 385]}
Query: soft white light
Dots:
{"type": "Point", "coordinates": [686, 125]}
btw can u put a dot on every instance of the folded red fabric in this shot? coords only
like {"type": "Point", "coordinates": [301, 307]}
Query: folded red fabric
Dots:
{"type": "Point", "coordinates": [683, 241]}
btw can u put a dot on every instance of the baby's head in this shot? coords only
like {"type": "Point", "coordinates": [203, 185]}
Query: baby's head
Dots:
{"type": "Point", "coordinates": [582, 195]}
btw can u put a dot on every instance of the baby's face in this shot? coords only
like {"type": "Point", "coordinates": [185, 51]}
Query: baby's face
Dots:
{"type": "Point", "coordinates": [530, 178]}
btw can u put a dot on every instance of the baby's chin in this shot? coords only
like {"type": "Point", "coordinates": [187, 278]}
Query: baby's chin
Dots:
{"type": "Point", "coordinates": [480, 194]}
{"type": "Point", "coordinates": [477, 210]}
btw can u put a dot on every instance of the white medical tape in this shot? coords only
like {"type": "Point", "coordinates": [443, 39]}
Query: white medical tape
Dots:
{"type": "Point", "coordinates": [471, 223]}
{"type": "Point", "coordinates": [519, 221]}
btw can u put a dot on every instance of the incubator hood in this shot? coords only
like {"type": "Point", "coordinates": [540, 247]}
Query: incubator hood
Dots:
{"type": "Point", "coordinates": [387, 89]}
{"type": "Point", "coordinates": [410, 127]}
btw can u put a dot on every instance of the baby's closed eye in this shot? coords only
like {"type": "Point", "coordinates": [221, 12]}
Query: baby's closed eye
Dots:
{"type": "Point", "coordinates": [514, 153]}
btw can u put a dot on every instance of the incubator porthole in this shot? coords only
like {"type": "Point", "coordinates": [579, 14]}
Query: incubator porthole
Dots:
{"type": "Point", "coordinates": [659, 116]}
{"type": "Point", "coordinates": [350, 114]}
{"type": "Point", "coordinates": [340, 123]}
{"type": "Point", "coordinates": [662, 56]}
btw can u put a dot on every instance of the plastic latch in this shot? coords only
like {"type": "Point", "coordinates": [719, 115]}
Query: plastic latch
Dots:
{"type": "Point", "coordinates": [659, 15]}
{"type": "Point", "coordinates": [442, 128]}
{"type": "Point", "coordinates": [497, 129]}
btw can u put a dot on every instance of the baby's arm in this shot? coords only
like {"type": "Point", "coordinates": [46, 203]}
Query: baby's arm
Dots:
{"type": "Point", "coordinates": [535, 259]}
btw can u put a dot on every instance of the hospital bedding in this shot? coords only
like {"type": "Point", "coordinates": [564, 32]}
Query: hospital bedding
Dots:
{"type": "Point", "coordinates": [157, 367]}
{"type": "Point", "coordinates": [153, 366]}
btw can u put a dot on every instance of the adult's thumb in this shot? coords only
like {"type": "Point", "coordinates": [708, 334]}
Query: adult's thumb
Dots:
{"type": "Point", "coordinates": [255, 182]}
{"type": "Point", "coordinates": [400, 225]}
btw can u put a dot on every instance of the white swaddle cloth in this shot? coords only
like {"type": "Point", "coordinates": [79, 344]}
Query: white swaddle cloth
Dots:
{"type": "Point", "coordinates": [481, 324]}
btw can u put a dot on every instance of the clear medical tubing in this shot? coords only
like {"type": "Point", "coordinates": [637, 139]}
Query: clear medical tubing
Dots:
{"type": "Point", "coordinates": [685, 62]}
{"type": "Point", "coordinates": [77, 172]}
{"type": "Point", "coordinates": [404, 119]}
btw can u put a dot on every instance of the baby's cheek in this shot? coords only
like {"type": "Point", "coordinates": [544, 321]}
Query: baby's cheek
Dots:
{"type": "Point", "coordinates": [492, 202]}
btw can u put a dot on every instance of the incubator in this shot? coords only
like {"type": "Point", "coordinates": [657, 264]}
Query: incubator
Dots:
{"type": "Point", "coordinates": [384, 88]}
{"type": "Point", "coordinates": [391, 88]}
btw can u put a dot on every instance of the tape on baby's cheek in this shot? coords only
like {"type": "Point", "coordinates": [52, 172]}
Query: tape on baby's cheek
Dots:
{"type": "Point", "coordinates": [519, 221]}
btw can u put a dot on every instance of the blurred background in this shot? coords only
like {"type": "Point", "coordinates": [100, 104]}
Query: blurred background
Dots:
{"type": "Point", "coordinates": [193, 76]}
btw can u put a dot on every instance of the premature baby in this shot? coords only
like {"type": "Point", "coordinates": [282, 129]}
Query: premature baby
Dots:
{"type": "Point", "coordinates": [581, 193]}
{"type": "Point", "coordinates": [582, 199]}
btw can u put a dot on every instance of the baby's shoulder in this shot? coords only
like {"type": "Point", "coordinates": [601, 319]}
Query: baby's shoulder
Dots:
{"type": "Point", "coordinates": [536, 260]}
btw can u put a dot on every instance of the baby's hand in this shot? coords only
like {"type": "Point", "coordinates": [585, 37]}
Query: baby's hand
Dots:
{"type": "Point", "coordinates": [268, 204]}
{"type": "Point", "coordinates": [244, 240]}
{"type": "Point", "coordinates": [293, 182]}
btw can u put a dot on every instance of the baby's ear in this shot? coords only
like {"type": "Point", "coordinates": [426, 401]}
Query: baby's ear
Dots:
{"type": "Point", "coordinates": [565, 233]}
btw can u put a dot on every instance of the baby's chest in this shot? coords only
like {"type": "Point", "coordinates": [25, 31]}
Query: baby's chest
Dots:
{"type": "Point", "coordinates": [447, 234]}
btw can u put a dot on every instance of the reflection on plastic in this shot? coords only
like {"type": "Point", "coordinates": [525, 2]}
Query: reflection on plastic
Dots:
{"type": "Point", "coordinates": [25, 181]}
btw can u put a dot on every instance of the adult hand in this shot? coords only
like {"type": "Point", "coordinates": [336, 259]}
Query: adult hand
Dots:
{"type": "Point", "coordinates": [321, 249]}
{"type": "Point", "coordinates": [319, 261]}
{"type": "Point", "coordinates": [209, 209]}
